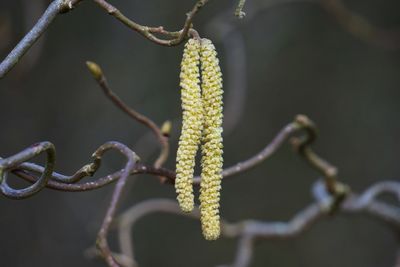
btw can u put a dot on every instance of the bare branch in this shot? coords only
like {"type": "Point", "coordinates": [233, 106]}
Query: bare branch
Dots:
{"type": "Point", "coordinates": [148, 32]}
{"type": "Point", "coordinates": [299, 124]}
{"type": "Point", "coordinates": [32, 36]}
{"type": "Point", "coordinates": [27, 154]}
{"type": "Point", "coordinates": [131, 157]}
{"type": "Point", "coordinates": [101, 79]}
{"type": "Point", "coordinates": [249, 230]}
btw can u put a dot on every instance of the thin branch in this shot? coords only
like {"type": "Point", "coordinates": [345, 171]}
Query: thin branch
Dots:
{"type": "Point", "coordinates": [32, 36]}
{"type": "Point", "coordinates": [27, 154]}
{"type": "Point", "coordinates": [249, 230]}
{"type": "Point", "coordinates": [101, 79]}
{"type": "Point", "coordinates": [24, 171]}
{"type": "Point", "coordinates": [148, 32]}
{"type": "Point", "coordinates": [62, 6]}
{"type": "Point", "coordinates": [90, 185]}
{"type": "Point", "coordinates": [329, 171]}
{"type": "Point", "coordinates": [131, 157]}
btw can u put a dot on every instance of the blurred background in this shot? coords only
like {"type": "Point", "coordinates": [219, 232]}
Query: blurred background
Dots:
{"type": "Point", "coordinates": [337, 62]}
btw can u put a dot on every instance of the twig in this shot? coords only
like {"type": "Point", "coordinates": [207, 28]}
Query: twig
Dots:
{"type": "Point", "coordinates": [24, 170]}
{"type": "Point", "coordinates": [248, 231]}
{"type": "Point", "coordinates": [131, 157]}
{"type": "Point", "coordinates": [302, 145]}
{"type": "Point", "coordinates": [101, 79]}
{"type": "Point", "coordinates": [148, 32]}
{"type": "Point", "coordinates": [91, 185]}
{"type": "Point", "coordinates": [397, 264]}
{"type": "Point", "coordinates": [32, 36]}
{"type": "Point", "coordinates": [15, 160]}
{"type": "Point", "coordinates": [62, 6]}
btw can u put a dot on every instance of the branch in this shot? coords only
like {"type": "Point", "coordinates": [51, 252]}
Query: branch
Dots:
{"type": "Point", "coordinates": [131, 157]}
{"type": "Point", "coordinates": [34, 34]}
{"type": "Point", "coordinates": [148, 32]}
{"type": "Point", "coordinates": [62, 6]}
{"type": "Point", "coordinates": [301, 123]}
{"type": "Point", "coordinates": [248, 231]}
{"type": "Point", "coordinates": [101, 79]}
{"type": "Point", "coordinates": [27, 154]}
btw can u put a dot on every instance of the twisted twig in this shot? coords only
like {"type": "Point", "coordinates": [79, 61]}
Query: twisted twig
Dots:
{"type": "Point", "coordinates": [27, 154]}
{"type": "Point", "coordinates": [249, 230]}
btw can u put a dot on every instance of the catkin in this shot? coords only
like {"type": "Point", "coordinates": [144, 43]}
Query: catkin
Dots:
{"type": "Point", "coordinates": [192, 124]}
{"type": "Point", "coordinates": [211, 149]}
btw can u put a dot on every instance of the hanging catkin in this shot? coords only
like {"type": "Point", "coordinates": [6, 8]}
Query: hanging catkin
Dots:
{"type": "Point", "coordinates": [211, 149]}
{"type": "Point", "coordinates": [192, 124]}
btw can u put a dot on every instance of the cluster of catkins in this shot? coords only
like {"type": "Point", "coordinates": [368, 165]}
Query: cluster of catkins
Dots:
{"type": "Point", "coordinates": [201, 94]}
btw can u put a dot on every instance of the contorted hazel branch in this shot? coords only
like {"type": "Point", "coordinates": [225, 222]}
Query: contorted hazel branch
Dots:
{"type": "Point", "coordinates": [192, 124]}
{"type": "Point", "coordinates": [202, 121]}
{"type": "Point", "coordinates": [211, 162]}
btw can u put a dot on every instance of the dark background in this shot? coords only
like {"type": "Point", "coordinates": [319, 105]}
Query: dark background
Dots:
{"type": "Point", "coordinates": [299, 59]}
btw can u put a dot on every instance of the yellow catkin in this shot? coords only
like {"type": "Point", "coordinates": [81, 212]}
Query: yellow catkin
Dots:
{"type": "Point", "coordinates": [192, 124]}
{"type": "Point", "coordinates": [212, 160]}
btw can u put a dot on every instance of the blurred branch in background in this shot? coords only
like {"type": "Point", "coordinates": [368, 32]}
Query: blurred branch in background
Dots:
{"type": "Point", "coordinates": [354, 23]}
{"type": "Point", "coordinates": [360, 27]}
{"type": "Point", "coordinates": [248, 231]}
{"type": "Point", "coordinates": [31, 37]}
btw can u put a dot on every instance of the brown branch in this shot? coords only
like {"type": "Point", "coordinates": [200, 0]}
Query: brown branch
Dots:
{"type": "Point", "coordinates": [131, 157]}
{"type": "Point", "coordinates": [101, 79]}
{"type": "Point", "coordinates": [148, 32]}
{"type": "Point", "coordinates": [25, 171]}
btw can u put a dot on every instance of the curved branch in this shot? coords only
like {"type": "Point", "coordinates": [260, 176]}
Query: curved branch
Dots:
{"type": "Point", "coordinates": [148, 32]}
{"type": "Point", "coordinates": [249, 230]}
{"type": "Point", "coordinates": [24, 171]}
{"type": "Point", "coordinates": [101, 79]}
{"type": "Point", "coordinates": [27, 154]}
{"type": "Point", "coordinates": [31, 37]}
{"type": "Point", "coordinates": [131, 157]}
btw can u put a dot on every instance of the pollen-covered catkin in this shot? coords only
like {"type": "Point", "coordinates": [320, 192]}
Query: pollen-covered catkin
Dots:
{"type": "Point", "coordinates": [192, 124]}
{"type": "Point", "coordinates": [211, 149]}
